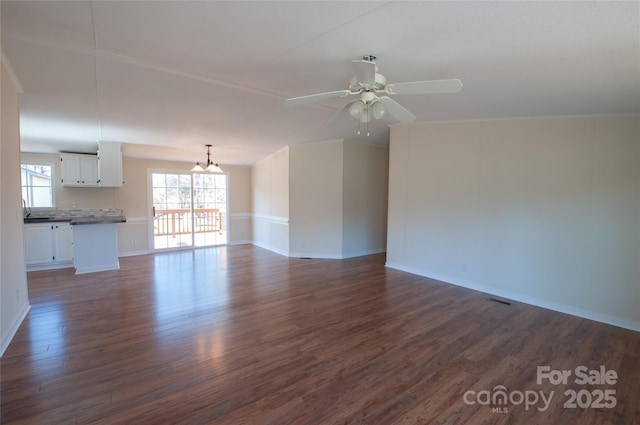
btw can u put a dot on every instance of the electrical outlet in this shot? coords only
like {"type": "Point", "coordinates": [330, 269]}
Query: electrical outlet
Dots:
{"type": "Point", "coordinates": [134, 242]}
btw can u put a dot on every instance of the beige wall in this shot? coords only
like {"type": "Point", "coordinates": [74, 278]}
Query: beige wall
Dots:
{"type": "Point", "coordinates": [364, 199]}
{"type": "Point", "coordinates": [240, 205]}
{"type": "Point", "coordinates": [14, 302]}
{"type": "Point", "coordinates": [270, 196]}
{"type": "Point", "coordinates": [541, 211]}
{"type": "Point", "coordinates": [338, 199]}
{"type": "Point", "coordinates": [316, 200]}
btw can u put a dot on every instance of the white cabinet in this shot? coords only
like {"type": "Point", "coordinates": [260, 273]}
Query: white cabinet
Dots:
{"type": "Point", "coordinates": [62, 242]}
{"type": "Point", "coordinates": [48, 245]}
{"type": "Point", "coordinates": [86, 170]}
{"type": "Point", "coordinates": [38, 244]}
{"type": "Point", "coordinates": [79, 169]}
{"type": "Point", "coordinates": [110, 164]}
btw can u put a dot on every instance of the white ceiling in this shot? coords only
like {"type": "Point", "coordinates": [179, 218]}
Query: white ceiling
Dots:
{"type": "Point", "coordinates": [178, 75]}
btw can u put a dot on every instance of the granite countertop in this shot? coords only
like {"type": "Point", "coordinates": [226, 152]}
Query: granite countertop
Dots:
{"type": "Point", "coordinates": [98, 220]}
{"type": "Point", "coordinates": [76, 216]}
{"type": "Point", "coordinates": [30, 220]}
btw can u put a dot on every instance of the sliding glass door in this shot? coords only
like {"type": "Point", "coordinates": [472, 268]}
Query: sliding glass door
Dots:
{"type": "Point", "coordinates": [188, 209]}
{"type": "Point", "coordinates": [209, 209]}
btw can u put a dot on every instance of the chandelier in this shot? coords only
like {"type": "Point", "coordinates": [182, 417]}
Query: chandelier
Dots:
{"type": "Point", "coordinates": [209, 166]}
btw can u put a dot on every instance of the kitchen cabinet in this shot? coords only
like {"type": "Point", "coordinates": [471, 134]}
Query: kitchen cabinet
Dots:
{"type": "Point", "coordinates": [62, 242]}
{"type": "Point", "coordinates": [38, 245]}
{"type": "Point", "coordinates": [110, 164]}
{"type": "Point", "coordinates": [48, 245]}
{"type": "Point", "coordinates": [79, 169]}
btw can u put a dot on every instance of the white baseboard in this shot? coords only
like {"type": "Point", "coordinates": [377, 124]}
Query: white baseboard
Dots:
{"type": "Point", "coordinates": [133, 253]}
{"type": "Point", "coordinates": [334, 256]}
{"type": "Point", "coordinates": [549, 305]}
{"type": "Point", "coordinates": [270, 248]}
{"type": "Point", "coordinates": [100, 268]}
{"type": "Point", "coordinates": [362, 253]}
{"type": "Point", "coordinates": [318, 254]}
{"type": "Point", "coordinates": [64, 265]}
{"type": "Point", "coordinates": [14, 328]}
{"type": "Point", "coordinates": [315, 255]}
{"type": "Point", "coordinates": [247, 242]}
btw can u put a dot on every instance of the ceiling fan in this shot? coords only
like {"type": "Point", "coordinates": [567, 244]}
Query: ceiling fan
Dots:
{"type": "Point", "coordinates": [373, 94]}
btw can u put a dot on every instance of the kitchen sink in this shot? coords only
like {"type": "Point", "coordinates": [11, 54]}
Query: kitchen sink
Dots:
{"type": "Point", "coordinates": [36, 219]}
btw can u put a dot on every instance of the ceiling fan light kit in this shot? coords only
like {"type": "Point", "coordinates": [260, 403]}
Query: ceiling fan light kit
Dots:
{"type": "Point", "coordinates": [209, 166]}
{"type": "Point", "coordinates": [372, 87]}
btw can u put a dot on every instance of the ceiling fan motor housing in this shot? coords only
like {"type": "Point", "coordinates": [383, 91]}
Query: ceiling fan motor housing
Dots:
{"type": "Point", "coordinates": [380, 82]}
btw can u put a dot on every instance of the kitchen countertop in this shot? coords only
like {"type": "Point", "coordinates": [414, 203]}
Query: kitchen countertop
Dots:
{"type": "Point", "coordinates": [76, 220]}
{"type": "Point", "coordinates": [31, 220]}
{"type": "Point", "coordinates": [97, 220]}
{"type": "Point", "coordinates": [78, 216]}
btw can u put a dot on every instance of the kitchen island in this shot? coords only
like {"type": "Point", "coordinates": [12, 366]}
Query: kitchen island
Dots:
{"type": "Point", "coordinates": [95, 242]}
{"type": "Point", "coordinates": [95, 236]}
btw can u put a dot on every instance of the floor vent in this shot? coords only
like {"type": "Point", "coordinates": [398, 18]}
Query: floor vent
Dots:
{"type": "Point", "coordinates": [500, 301]}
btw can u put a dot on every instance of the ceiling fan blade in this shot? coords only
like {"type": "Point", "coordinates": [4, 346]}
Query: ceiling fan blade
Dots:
{"type": "Point", "coordinates": [341, 115]}
{"type": "Point", "coordinates": [396, 110]}
{"type": "Point", "coordinates": [425, 87]}
{"type": "Point", "coordinates": [316, 97]}
{"type": "Point", "coordinates": [365, 72]}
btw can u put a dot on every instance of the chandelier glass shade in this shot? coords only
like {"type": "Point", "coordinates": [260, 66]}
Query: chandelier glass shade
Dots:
{"type": "Point", "coordinates": [209, 166]}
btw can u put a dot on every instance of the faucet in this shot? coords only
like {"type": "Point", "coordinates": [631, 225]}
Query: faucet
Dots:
{"type": "Point", "coordinates": [26, 211]}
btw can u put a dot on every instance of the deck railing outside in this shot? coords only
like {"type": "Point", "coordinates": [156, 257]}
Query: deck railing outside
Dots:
{"type": "Point", "coordinates": [178, 221]}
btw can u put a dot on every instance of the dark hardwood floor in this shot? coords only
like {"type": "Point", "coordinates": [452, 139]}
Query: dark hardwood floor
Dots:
{"type": "Point", "coordinates": [238, 335]}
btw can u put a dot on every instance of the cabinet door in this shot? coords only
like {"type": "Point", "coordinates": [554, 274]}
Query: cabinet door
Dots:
{"type": "Point", "coordinates": [110, 164]}
{"type": "Point", "coordinates": [71, 170]}
{"type": "Point", "coordinates": [89, 170]}
{"type": "Point", "coordinates": [38, 244]}
{"type": "Point", "coordinates": [63, 242]}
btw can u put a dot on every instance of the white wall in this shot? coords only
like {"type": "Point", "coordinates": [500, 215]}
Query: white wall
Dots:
{"type": "Point", "coordinates": [541, 211]}
{"type": "Point", "coordinates": [270, 199]}
{"type": "Point", "coordinates": [14, 301]}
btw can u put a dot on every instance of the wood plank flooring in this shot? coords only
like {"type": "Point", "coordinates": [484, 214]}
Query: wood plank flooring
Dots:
{"type": "Point", "coordinates": [238, 335]}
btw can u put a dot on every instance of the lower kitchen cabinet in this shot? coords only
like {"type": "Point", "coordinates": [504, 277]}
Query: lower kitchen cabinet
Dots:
{"type": "Point", "coordinates": [48, 245]}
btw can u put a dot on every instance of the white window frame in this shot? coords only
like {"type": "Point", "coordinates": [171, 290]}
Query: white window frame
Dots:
{"type": "Point", "coordinates": [53, 182]}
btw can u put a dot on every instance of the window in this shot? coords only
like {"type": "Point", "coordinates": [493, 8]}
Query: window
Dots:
{"type": "Point", "coordinates": [37, 185]}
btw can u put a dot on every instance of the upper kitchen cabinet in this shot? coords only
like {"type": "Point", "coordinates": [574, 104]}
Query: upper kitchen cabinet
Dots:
{"type": "Point", "coordinates": [79, 169]}
{"type": "Point", "coordinates": [110, 164]}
